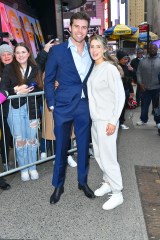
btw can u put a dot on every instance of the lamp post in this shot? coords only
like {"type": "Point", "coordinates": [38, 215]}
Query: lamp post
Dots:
{"type": "Point", "coordinates": [118, 9]}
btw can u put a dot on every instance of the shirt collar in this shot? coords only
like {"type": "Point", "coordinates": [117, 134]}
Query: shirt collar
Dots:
{"type": "Point", "coordinates": [70, 44]}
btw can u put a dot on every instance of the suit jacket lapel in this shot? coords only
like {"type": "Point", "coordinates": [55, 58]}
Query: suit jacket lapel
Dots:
{"type": "Point", "coordinates": [69, 56]}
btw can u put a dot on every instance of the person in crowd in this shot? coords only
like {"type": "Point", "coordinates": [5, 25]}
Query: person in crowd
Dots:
{"type": "Point", "coordinates": [127, 83]}
{"type": "Point", "coordinates": [70, 64]}
{"type": "Point", "coordinates": [6, 57]}
{"type": "Point", "coordinates": [148, 77]}
{"type": "Point", "coordinates": [48, 140]}
{"type": "Point", "coordinates": [3, 184]}
{"type": "Point", "coordinates": [157, 112]}
{"type": "Point", "coordinates": [106, 100]}
{"type": "Point", "coordinates": [10, 39]}
{"type": "Point", "coordinates": [134, 64]}
{"type": "Point", "coordinates": [23, 76]}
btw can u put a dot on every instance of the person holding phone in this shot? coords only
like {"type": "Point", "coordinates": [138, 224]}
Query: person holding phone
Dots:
{"type": "Point", "coordinates": [23, 76]}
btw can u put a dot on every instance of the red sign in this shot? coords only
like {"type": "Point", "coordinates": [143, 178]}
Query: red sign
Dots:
{"type": "Point", "coordinates": [144, 28]}
{"type": "Point", "coordinates": [106, 9]}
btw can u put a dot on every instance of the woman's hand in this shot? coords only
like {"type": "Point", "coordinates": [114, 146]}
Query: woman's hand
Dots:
{"type": "Point", "coordinates": [56, 84]}
{"type": "Point", "coordinates": [23, 89]}
{"type": "Point", "coordinates": [110, 129]}
{"type": "Point", "coordinates": [48, 45]}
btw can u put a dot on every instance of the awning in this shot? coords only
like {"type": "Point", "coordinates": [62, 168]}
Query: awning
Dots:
{"type": "Point", "coordinates": [72, 4]}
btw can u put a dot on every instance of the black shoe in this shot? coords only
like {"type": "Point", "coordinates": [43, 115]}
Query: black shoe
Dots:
{"type": "Point", "coordinates": [4, 185]}
{"type": "Point", "coordinates": [55, 197]}
{"type": "Point", "coordinates": [87, 191]}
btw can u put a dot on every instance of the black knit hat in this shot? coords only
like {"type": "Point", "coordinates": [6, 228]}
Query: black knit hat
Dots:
{"type": "Point", "coordinates": [140, 50]}
{"type": "Point", "coordinates": [121, 54]}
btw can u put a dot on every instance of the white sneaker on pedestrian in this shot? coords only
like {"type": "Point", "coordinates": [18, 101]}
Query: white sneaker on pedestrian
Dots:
{"type": "Point", "coordinates": [71, 162]}
{"type": "Point", "coordinates": [34, 174]}
{"type": "Point", "coordinates": [140, 123]}
{"type": "Point", "coordinates": [104, 189]}
{"type": "Point", "coordinates": [158, 125]}
{"type": "Point", "coordinates": [43, 155]}
{"type": "Point", "coordinates": [123, 126]}
{"type": "Point", "coordinates": [25, 176]}
{"type": "Point", "coordinates": [115, 200]}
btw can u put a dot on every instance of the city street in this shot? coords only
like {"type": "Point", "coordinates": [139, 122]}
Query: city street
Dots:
{"type": "Point", "coordinates": [27, 214]}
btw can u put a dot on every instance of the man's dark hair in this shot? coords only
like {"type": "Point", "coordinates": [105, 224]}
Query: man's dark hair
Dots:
{"type": "Point", "coordinates": [81, 16]}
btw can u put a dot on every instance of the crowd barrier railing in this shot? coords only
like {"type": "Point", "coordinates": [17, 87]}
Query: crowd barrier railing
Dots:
{"type": "Point", "coordinates": [9, 162]}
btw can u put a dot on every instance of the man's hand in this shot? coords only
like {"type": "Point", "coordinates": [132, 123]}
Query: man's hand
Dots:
{"type": "Point", "coordinates": [131, 95]}
{"type": "Point", "coordinates": [142, 87]}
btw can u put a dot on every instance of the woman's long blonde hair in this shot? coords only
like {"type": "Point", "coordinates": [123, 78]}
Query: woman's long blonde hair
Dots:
{"type": "Point", "coordinates": [106, 55]}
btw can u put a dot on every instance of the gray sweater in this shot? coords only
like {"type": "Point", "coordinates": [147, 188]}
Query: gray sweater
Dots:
{"type": "Point", "coordinates": [105, 93]}
{"type": "Point", "coordinates": [148, 71]}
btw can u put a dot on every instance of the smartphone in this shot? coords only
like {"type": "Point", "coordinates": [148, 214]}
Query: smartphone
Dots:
{"type": "Point", "coordinates": [32, 84]}
{"type": "Point", "coordinates": [4, 34]}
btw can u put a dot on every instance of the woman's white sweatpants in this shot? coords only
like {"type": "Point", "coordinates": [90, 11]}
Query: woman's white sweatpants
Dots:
{"type": "Point", "coordinates": [105, 152]}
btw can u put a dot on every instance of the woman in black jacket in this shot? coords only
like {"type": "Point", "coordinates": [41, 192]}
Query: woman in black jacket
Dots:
{"type": "Point", "coordinates": [3, 184]}
{"type": "Point", "coordinates": [6, 57]}
{"type": "Point", "coordinates": [23, 76]}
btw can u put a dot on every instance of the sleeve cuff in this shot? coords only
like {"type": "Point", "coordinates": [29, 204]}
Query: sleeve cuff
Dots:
{"type": "Point", "coordinates": [51, 108]}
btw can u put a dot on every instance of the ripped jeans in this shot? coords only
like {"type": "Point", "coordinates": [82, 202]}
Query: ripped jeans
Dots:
{"type": "Point", "coordinates": [24, 132]}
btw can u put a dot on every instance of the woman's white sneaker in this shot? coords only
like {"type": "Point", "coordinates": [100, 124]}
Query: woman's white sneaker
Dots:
{"type": "Point", "coordinates": [115, 200]}
{"type": "Point", "coordinates": [34, 174]}
{"type": "Point", "coordinates": [71, 162]}
{"type": "Point", "coordinates": [25, 176]}
{"type": "Point", "coordinates": [104, 189]}
{"type": "Point", "coordinates": [43, 155]}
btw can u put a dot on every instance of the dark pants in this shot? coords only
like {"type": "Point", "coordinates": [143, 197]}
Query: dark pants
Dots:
{"type": "Point", "coordinates": [147, 97]}
{"type": "Point", "coordinates": [47, 145]}
{"type": "Point", "coordinates": [122, 117]}
{"type": "Point", "coordinates": [5, 139]}
{"type": "Point", "coordinates": [138, 94]}
{"type": "Point", "coordinates": [63, 125]}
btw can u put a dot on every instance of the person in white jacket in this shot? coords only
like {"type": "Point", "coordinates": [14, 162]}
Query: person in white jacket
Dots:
{"type": "Point", "coordinates": [106, 100]}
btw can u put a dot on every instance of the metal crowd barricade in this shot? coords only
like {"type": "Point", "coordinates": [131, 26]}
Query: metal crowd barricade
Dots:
{"type": "Point", "coordinates": [11, 164]}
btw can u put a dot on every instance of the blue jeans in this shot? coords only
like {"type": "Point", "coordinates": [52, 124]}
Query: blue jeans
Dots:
{"type": "Point", "coordinates": [24, 132]}
{"type": "Point", "coordinates": [146, 98]}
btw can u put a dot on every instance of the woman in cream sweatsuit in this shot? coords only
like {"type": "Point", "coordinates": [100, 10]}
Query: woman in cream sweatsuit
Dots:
{"type": "Point", "coordinates": [106, 100]}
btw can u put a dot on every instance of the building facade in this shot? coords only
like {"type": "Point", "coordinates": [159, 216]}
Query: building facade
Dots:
{"type": "Point", "coordinates": [153, 16]}
{"type": "Point", "coordinates": [136, 9]}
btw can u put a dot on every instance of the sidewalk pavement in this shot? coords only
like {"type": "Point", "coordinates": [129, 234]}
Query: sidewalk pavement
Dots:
{"type": "Point", "coordinates": [25, 212]}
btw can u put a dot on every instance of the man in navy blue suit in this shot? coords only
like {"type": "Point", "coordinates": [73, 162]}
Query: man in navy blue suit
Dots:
{"type": "Point", "coordinates": [70, 64]}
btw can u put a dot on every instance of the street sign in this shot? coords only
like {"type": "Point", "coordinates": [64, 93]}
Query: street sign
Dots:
{"type": "Point", "coordinates": [143, 28]}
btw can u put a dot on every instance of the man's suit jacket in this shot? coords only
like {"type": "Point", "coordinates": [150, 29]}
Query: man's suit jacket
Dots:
{"type": "Point", "coordinates": [61, 67]}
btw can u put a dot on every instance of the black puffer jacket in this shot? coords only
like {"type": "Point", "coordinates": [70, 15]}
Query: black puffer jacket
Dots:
{"type": "Point", "coordinates": [10, 81]}
{"type": "Point", "coordinates": [127, 79]}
